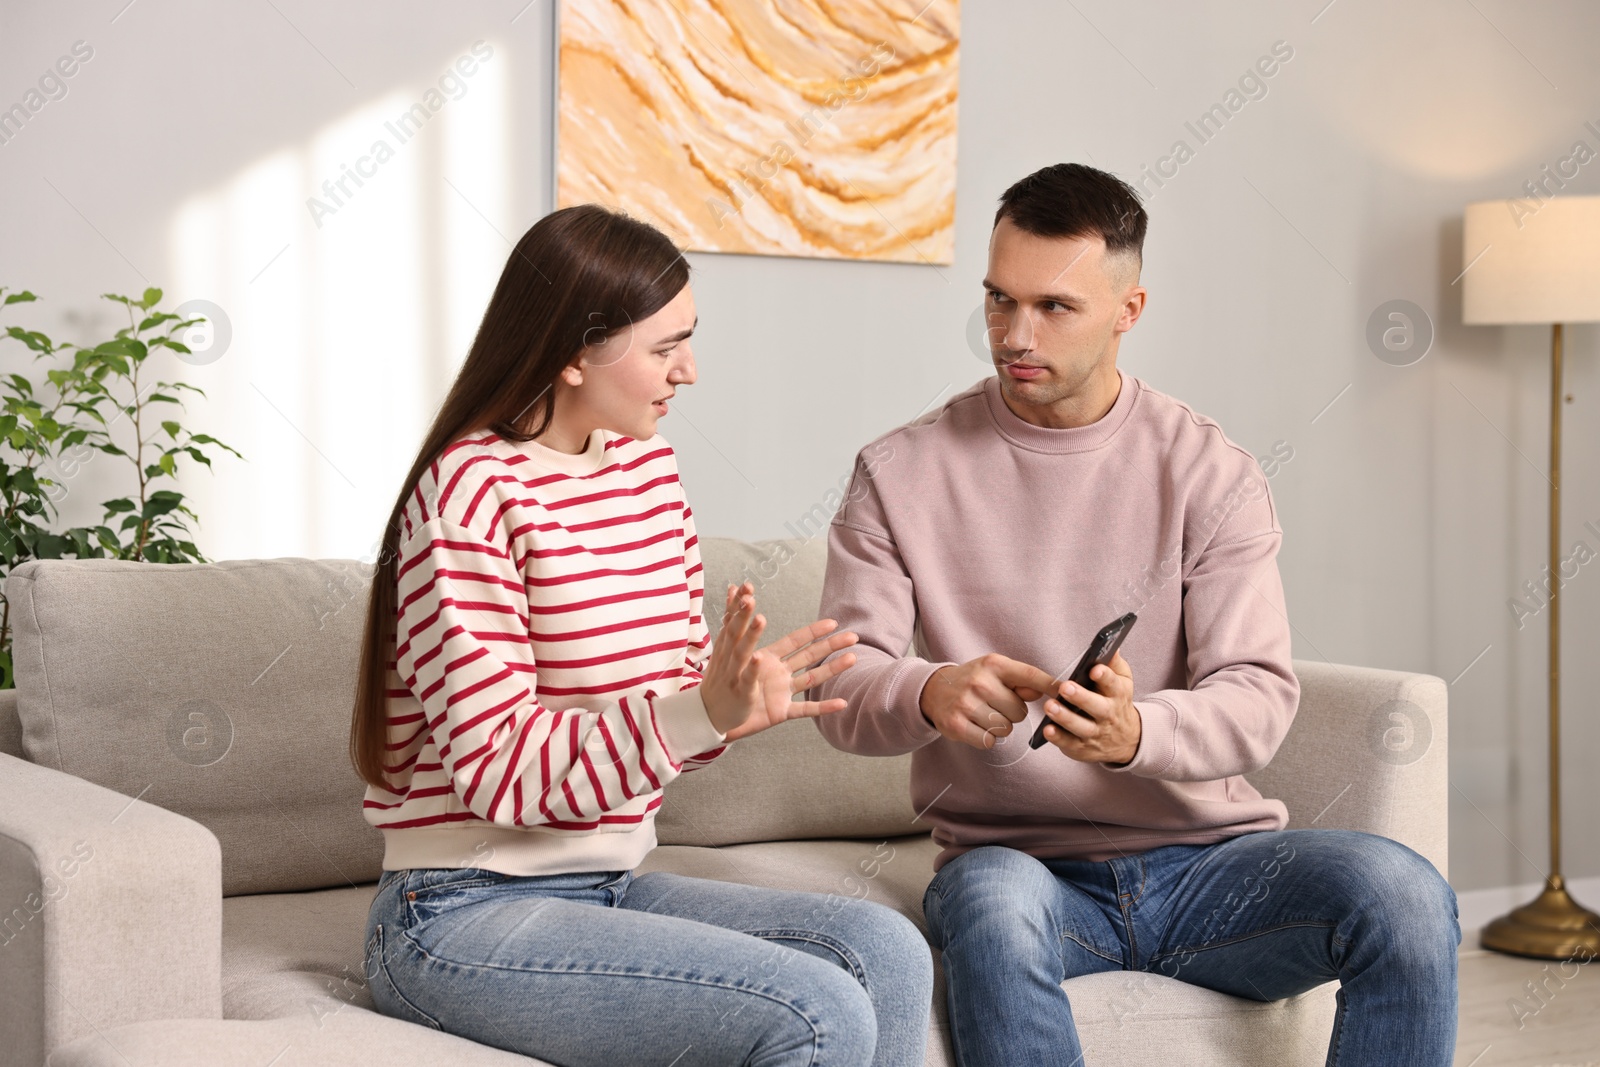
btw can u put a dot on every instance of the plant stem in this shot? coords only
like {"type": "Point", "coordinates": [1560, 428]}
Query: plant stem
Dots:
{"type": "Point", "coordinates": [138, 448]}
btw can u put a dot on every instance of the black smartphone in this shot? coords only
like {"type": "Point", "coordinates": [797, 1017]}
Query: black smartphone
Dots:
{"type": "Point", "coordinates": [1100, 650]}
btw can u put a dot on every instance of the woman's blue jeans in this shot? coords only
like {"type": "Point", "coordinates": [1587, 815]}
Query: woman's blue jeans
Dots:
{"type": "Point", "coordinates": [1263, 915]}
{"type": "Point", "coordinates": [659, 969]}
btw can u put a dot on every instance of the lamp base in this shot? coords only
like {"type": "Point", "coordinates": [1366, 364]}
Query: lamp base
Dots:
{"type": "Point", "coordinates": [1552, 927]}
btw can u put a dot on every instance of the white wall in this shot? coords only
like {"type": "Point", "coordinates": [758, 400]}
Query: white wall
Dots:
{"type": "Point", "coordinates": [1413, 507]}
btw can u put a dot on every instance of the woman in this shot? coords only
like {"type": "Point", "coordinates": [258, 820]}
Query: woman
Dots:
{"type": "Point", "coordinates": [536, 669]}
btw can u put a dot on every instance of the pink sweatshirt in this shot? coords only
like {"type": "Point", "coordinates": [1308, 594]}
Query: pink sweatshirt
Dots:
{"type": "Point", "coordinates": [970, 530]}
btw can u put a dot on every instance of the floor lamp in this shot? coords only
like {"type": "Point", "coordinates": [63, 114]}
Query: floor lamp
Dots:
{"type": "Point", "coordinates": [1531, 261]}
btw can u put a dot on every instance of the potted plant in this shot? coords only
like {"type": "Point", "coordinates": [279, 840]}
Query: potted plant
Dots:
{"type": "Point", "coordinates": [50, 429]}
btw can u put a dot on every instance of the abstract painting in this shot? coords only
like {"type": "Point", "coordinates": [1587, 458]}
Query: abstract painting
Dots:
{"type": "Point", "coordinates": [821, 128]}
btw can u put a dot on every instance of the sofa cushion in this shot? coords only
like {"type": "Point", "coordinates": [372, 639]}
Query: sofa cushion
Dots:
{"type": "Point", "coordinates": [220, 691]}
{"type": "Point", "coordinates": [223, 692]}
{"type": "Point", "coordinates": [299, 956]}
{"type": "Point", "coordinates": [787, 783]}
{"type": "Point", "coordinates": [1123, 1017]}
{"type": "Point", "coordinates": [10, 725]}
{"type": "Point", "coordinates": [353, 1038]}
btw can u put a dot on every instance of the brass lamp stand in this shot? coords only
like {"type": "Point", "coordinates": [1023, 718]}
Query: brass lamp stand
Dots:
{"type": "Point", "coordinates": [1540, 263]}
{"type": "Point", "coordinates": [1553, 926]}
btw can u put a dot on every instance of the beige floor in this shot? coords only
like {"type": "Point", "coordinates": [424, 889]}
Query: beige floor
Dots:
{"type": "Point", "coordinates": [1564, 1031]}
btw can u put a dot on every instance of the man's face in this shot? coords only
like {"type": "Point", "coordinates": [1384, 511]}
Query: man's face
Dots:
{"type": "Point", "coordinates": [1055, 309]}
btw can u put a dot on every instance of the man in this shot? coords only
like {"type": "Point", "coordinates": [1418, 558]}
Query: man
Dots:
{"type": "Point", "coordinates": [999, 533]}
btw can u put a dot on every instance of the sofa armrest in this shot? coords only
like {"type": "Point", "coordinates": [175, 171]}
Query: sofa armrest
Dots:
{"type": "Point", "coordinates": [1368, 751]}
{"type": "Point", "coordinates": [110, 912]}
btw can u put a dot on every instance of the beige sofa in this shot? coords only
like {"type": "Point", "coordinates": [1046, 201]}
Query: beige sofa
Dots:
{"type": "Point", "coordinates": [184, 869]}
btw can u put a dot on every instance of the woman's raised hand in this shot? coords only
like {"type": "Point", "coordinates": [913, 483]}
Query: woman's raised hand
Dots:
{"type": "Point", "coordinates": [746, 689]}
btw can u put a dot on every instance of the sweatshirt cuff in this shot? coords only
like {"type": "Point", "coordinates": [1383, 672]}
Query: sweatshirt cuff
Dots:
{"type": "Point", "coordinates": [1158, 740]}
{"type": "Point", "coordinates": [908, 702]}
{"type": "Point", "coordinates": [683, 725]}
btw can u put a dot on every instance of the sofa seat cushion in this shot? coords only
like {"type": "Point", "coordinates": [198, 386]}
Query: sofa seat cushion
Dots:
{"type": "Point", "coordinates": [291, 954]}
{"type": "Point", "coordinates": [297, 958]}
{"type": "Point", "coordinates": [353, 1038]}
{"type": "Point", "coordinates": [1122, 1017]}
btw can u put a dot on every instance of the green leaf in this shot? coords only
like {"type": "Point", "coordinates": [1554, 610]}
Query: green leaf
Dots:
{"type": "Point", "coordinates": [152, 321]}
{"type": "Point", "coordinates": [162, 398]}
{"type": "Point", "coordinates": [172, 429]}
{"type": "Point", "coordinates": [169, 464]}
{"type": "Point", "coordinates": [19, 298]}
{"type": "Point", "coordinates": [161, 504]}
{"type": "Point", "coordinates": [123, 346]}
{"type": "Point", "coordinates": [48, 547]}
{"type": "Point", "coordinates": [114, 506]}
{"type": "Point", "coordinates": [151, 298]}
{"type": "Point", "coordinates": [34, 340]}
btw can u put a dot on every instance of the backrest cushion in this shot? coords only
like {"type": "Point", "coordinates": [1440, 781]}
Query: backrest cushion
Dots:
{"type": "Point", "coordinates": [223, 692]}
{"type": "Point", "coordinates": [220, 691]}
{"type": "Point", "coordinates": [10, 725]}
{"type": "Point", "coordinates": [786, 783]}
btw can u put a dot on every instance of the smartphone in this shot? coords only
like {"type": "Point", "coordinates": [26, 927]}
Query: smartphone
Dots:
{"type": "Point", "coordinates": [1100, 650]}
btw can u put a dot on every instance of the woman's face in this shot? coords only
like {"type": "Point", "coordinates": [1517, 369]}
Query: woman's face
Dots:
{"type": "Point", "coordinates": [628, 375]}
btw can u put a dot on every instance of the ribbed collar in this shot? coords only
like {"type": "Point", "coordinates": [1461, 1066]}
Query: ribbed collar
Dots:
{"type": "Point", "coordinates": [1072, 439]}
{"type": "Point", "coordinates": [578, 465]}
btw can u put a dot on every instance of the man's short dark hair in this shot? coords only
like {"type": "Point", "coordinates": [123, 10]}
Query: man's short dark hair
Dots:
{"type": "Point", "coordinates": [1072, 200]}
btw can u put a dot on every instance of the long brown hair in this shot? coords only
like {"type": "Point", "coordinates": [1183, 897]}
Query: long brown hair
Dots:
{"type": "Point", "coordinates": [577, 276]}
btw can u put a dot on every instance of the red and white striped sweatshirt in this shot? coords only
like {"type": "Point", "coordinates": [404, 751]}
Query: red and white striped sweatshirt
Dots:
{"type": "Point", "coordinates": [549, 642]}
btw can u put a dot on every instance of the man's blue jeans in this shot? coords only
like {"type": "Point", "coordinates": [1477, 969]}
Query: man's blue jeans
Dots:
{"type": "Point", "coordinates": [1263, 915]}
{"type": "Point", "coordinates": [593, 970]}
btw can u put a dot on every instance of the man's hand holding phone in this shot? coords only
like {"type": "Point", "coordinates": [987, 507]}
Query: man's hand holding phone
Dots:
{"type": "Point", "coordinates": [979, 702]}
{"type": "Point", "coordinates": [1111, 732]}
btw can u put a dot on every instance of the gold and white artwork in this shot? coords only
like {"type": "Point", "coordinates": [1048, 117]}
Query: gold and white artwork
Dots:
{"type": "Point", "coordinates": [822, 128]}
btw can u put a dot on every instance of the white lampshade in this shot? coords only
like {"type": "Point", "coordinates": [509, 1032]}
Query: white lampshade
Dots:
{"type": "Point", "coordinates": [1542, 263]}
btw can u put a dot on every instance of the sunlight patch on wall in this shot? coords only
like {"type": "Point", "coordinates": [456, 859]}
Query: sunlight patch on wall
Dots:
{"type": "Point", "coordinates": [352, 271]}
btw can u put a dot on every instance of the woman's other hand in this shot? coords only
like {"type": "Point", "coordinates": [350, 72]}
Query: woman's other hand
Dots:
{"type": "Point", "coordinates": [747, 690]}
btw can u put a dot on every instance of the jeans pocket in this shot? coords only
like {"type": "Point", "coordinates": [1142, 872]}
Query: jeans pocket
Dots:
{"type": "Point", "coordinates": [372, 956]}
{"type": "Point", "coordinates": [430, 881]}
{"type": "Point", "coordinates": [429, 892]}
{"type": "Point", "coordinates": [617, 888]}
{"type": "Point", "coordinates": [386, 996]}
